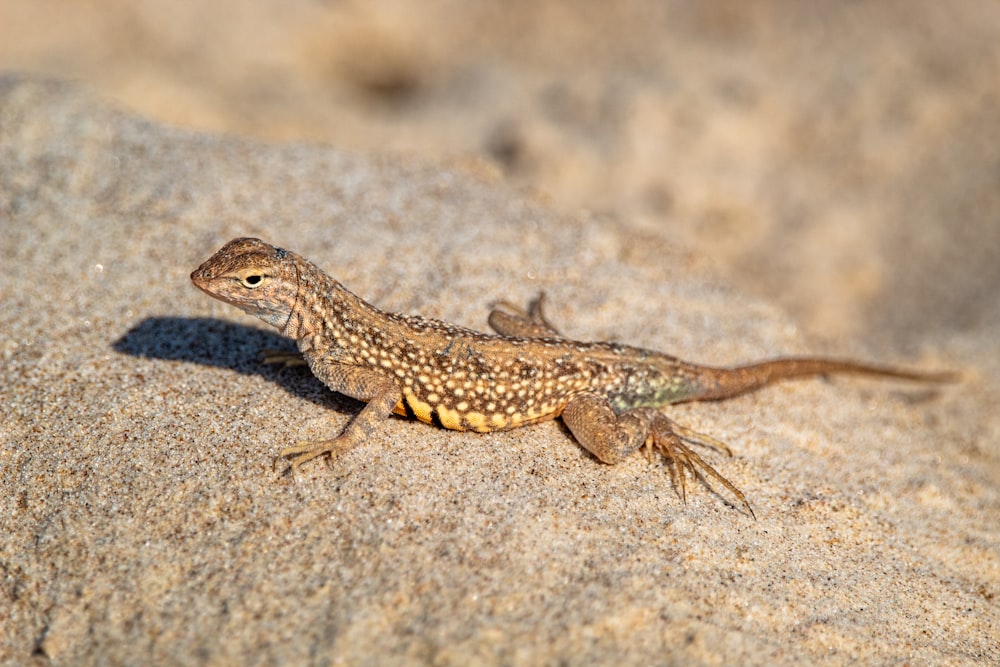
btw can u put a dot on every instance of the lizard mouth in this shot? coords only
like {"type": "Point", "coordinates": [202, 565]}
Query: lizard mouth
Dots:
{"type": "Point", "coordinates": [199, 280]}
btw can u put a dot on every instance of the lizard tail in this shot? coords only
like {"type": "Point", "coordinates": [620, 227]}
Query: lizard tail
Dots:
{"type": "Point", "coordinates": [720, 383]}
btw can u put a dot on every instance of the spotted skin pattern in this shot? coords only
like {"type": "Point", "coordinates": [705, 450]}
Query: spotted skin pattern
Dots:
{"type": "Point", "coordinates": [461, 379]}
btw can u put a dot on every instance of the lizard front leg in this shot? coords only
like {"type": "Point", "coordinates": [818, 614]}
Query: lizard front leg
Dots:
{"type": "Point", "coordinates": [611, 437]}
{"type": "Point", "coordinates": [380, 391]}
{"type": "Point", "coordinates": [286, 358]}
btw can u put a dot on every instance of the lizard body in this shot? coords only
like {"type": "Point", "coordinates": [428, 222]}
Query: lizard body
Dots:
{"type": "Point", "coordinates": [458, 378]}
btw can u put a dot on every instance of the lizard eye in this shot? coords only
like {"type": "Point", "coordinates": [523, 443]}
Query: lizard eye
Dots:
{"type": "Point", "coordinates": [252, 281]}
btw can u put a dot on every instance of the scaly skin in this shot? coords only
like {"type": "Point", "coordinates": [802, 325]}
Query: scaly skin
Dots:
{"type": "Point", "coordinates": [457, 378]}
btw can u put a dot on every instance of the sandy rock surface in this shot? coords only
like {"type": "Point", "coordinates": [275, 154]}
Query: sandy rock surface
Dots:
{"type": "Point", "coordinates": [142, 520]}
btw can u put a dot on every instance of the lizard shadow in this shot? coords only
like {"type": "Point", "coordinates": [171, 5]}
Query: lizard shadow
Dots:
{"type": "Point", "coordinates": [223, 344]}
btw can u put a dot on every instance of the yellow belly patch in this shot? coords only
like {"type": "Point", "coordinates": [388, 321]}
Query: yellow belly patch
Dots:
{"type": "Point", "coordinates": [421, 410]}
{"type": "Point", "coordinates": [472, 420]}
{"type": "Point", "coordinates": [476, 421]}
{"type": "Point", "coordinates": [450, 418]}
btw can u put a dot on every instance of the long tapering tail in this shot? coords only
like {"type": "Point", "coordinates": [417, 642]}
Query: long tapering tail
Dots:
{"type": "Point", "coordinates": [720, 383]}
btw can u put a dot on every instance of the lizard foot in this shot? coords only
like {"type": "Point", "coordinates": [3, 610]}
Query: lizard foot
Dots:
{"type": "Point", "coordinates": [669, 437]}
{"type": "Point", "coordinates": [307, 450]}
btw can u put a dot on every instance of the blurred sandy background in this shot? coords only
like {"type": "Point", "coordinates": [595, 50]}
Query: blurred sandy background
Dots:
{"type": "Point", "coordinates": [841, 159]}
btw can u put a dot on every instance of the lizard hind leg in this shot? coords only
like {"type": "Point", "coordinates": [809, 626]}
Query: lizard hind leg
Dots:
{"type": "Point", "coordinates": [611, 437]}
{"type": "Point", "coordinates": [509, 319]}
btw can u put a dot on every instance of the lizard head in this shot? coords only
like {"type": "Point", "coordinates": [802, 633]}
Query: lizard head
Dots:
{"type": "Point", "coordinates": [253, 276]}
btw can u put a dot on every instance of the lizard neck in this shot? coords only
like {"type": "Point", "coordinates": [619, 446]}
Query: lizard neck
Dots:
{"type": "Point", "coordinates": [326, 315]}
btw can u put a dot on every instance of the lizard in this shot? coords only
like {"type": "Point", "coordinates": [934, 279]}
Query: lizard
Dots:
{"type": "Point", "coordinates": [607, 394]}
